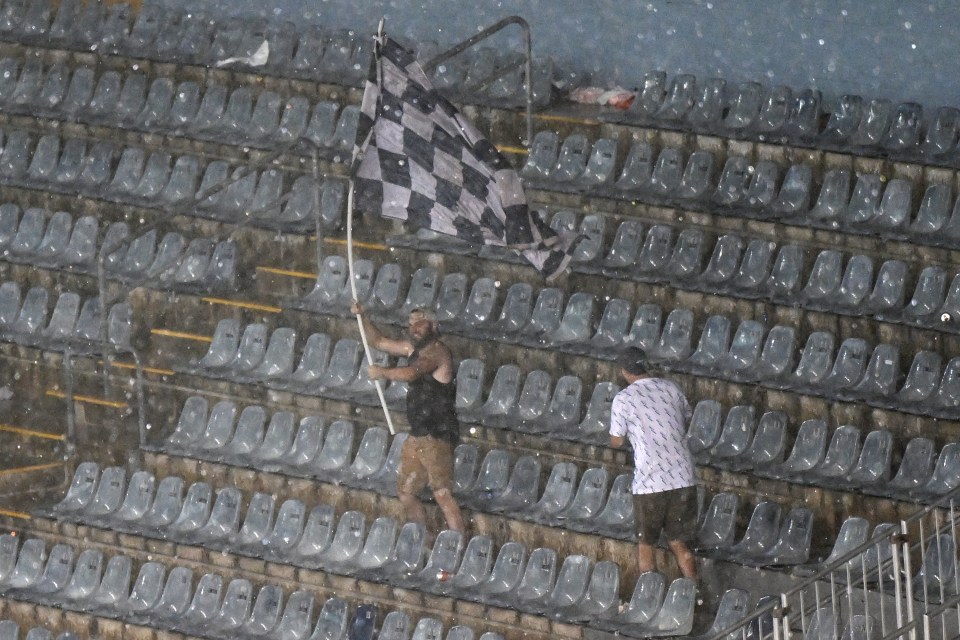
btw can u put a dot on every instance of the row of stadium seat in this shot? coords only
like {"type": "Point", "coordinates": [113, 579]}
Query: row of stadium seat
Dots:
{"type": "Point", "coordinates": [134, 176]}
{"type": "Point", "coordinates": [751, 111]}
{"type": "Point", "coordinates": [209, 112]}
{"type": "Point", "coordinates": [89, 582]}
{"type": "Point", "coordinates": [74, 324]}
{"type": "Point", "coordinates": [57, 241]}
{"type": "Point", "coordinates": [780, 276]}
{"type": "Point", "coordinates": [315, 53]}
{"type": "Point", "coordinates": [10, 630]}
{"type": "Point", "coordinates": [840, 461]}
{"type": "Point", "coordinates": [744, 188]}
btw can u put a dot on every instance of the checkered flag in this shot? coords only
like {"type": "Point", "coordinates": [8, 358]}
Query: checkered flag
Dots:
{"type": "Point", "coordinates": [417, 158]}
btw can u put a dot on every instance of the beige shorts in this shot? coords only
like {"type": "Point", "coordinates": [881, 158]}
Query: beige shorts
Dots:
{"type": "Point", "coordinates": [425, 461]}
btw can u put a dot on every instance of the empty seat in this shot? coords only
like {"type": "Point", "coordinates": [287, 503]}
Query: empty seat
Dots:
{"type": "Point", "coordinates": [637, 168]}
{"type": "Point", "coordinates": [675, 340]}
{"type": "Point", "coordinates": [808, 450]}
{"type": "Point", "coordinates": [815, 360]}
{"type": "Point", "coordinates": [915, 470]}
{"type": "Point", "coordinates": [718, 529]}
{"type": "Point", "coordinates": [833, 198]}
{"type": "Point", "coordinates": [714, 344]}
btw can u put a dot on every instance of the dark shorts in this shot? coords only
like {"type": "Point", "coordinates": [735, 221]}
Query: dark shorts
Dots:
{"type": "Point", "coordinates": [673, 512]}
{"type": "Point", "coordinates": [425, 461]}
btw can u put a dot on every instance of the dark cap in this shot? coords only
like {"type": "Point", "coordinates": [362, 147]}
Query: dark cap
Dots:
{"type": "Point", "coordinates": [633, 360]}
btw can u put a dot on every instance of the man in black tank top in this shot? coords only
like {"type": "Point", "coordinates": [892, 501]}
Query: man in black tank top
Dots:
{"type": "Point", "coordinates": [427, 456]}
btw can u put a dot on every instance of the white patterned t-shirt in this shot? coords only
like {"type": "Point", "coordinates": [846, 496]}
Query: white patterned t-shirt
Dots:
{"type": "Point", "coordinates": [652, 413]}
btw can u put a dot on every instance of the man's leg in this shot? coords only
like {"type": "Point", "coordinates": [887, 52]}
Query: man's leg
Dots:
{"type": "Point", "coordinates": [646, 559]}
{"type": "Point", "coordinates": [685, 559]}
{"type": "Point", "coordinates": [411, 479]}
{"type": "Point", "coordinates": [450, 509]}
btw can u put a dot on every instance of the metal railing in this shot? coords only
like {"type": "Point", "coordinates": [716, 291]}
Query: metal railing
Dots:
{"type": "Point", "coordinates": [903, 582]}
{"type": "Point", "coordinates": [432, 64]}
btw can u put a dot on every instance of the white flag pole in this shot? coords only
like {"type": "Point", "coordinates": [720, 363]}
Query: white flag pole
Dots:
{"type": "Point", "coordinates": [353, 282]}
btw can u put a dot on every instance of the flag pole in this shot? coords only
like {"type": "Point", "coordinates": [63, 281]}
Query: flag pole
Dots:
{"type": "Point", "coordinates": [353, 283]}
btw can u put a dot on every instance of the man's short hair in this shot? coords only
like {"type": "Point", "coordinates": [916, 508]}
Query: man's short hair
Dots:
{"type": "Point", "coordinates": [426, 314]}
{"type": "Point", "coordinates": [633, 360]}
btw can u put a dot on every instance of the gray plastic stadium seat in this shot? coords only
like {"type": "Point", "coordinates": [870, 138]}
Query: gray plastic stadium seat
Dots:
{"type": "Point", "coordinates": [306, 444]}
{"type": "Point", "coordinates": [637, 168]}
{"type": "Point", "coordinates": [915, 470]}
{"type": "Point", "coordinates": [492, 479]}
{"type": "Point", "coordinates": [679, 98]}
{"type": "Point", "coordinates": [33, 312]}
{"type": "Point", "coordinates": [85, 577]}
{"type": "Point", "coordinates": [718, 529]}
{"type": "Point", "coordinates": [743, 106]}
{"type": "Point", "coordinates": [733, 181]}
{"type": "Point", "coordinates": [841, 456]}
{"type": "Point", "coordinates": [588, 500]}
{"type": "Point", "coordinates": [109, 494]}
{"type": "Point", "coordinates": [538, 579]}
{"type": "Point", "coordinates": [667, 172]}
{"type": "Point", "coordinates": [833, 199]}
{"type": "Point", "coordinates": [934, 211]}
{"type": "Point", "coordinates": [707, 111]}
{"type": "Point", "coordinates": [330, 282]}
{"type": "Point", "coordinates": [945, 477]}
{"type": "Point", "coordinates": [9, 221]}
{"type": "Point", "coordinates": [408, 553]}
{"type": "Point", "coordinates": [166, 503]}
{"type": "Point", "coordinates": [776, 358]}
{"type": "Point", "coordinates": [195, 511]}
{"type": "Point", "coordinates": [879, 381]}
{"type": "Point", "coordinates": [219, 429]}
{"type": "Point", "coordinates": [596, 418]}
{"type": "Point", "coordinates": [904, 131]}
{"type": "Point", "coordinates": [313, 362]}
{"type": "Point", "coordinates": [287, 528]}
{"type": "Point", "coordinates": [875, 122]}
{"type": "Point", "coordinates": [114, 593]}
{"type": "Point", "coordinates": [317, 535]}
{"type": "Point", "coordinates": [853, 533]}
{"type": "Point", "coordinates": [848, 368]}
{"type": "Point", "coordinates": [139, 496]}
{"type": "Point", "coordinates": [686, 260]}
{"type": "Point", "coordinates": [29, 566]}
{"type": "Point", "coordinates": [147, 589]}
{"type": "Point", "coordinates": [576, 323]}
{"type": "Point", "coordinates": [333, 618]}
{"type": "Point", "coordinates": [557, 493]}
{"type": "Point", "coordinates": [378, 545]}
{"type": "Point", "coordinates": [825, 277]}
{"type": "Point", "coordinates": [71, 160]}
{"type": "Point", "coordinates": [735, 436]}
{"type": "Point", "coordinates": [616, 519]}
{"type": "Point", "coordinates": [522, 488]}
{"type": "Point", "coordinates": [794, 195]}
{"type": "Point", "coordinates": [223, 346]}
{"type": "Point", "coordinates": [713, 345]}
{"type": "Point", "coordinates": [43, 163]}
{"type": "Point", "coordinates": [505, 577]}
{"type": "Point", "coordinates": [233, 611]}
{"type": "Point", "coordinates": [29, 232]}
{"type": "Point", "coordinates": [569, 588]}
{"type": "Point", "coordinates": [731, 610]}
{"type": "Point", "coordinates": [191, 423]}
{"type": "Point", "coordinates": [442, 561]}
{"type": "Point", "coordinates": [297, 614]}
{"type": "Point", "coordinates": [674, 344]}
{"type": "Point", "coordinates": [792, 545]}
{"type": "Point", "coordinates": [645, 329]}
{"type": "Point", "coordinates": [9, 303]}
{"type": "Point", "coordinates": [371, 453]}
{"type": "Point", "coordinates": [675, 616]}
{"type": "Point", "coordinates": [815, 361]}
{"type": "Point", "coordinates": [503, 396]}
{"type": "Point", "coordinates": [334, 455]}
{"type": "Point", "coordinates": [807, 452]}
{"type": "Point", "coordinates": [55, 576]}
{"type": "Point", "coordinates": [257, 522]}
{"type": "Point", "coordinates": [81, 489]}
{"type": "Point", "coordinates": [8, 555]}
{"type": "Point", "coordinates": [542, 157]}
{"type": "Point", "coordinates": [474, 568]}
{"type": "Point", "coordinates": [645, 601]}
{"type": "Point", "coordinates": [515, 313]}
{"type": "Point", "coordinates": [571, 160]}
{"type": "Point", "coordinates": [204, 604]}
{"type": "Point", "coordinates": [697, 179]}
{"type": "Point", "coordinates": [723, 262]}
{"type": "Point", "coordinates": [224, 520]}
{"type": "Point", "coordinates": [277, 362]}
{"type": "Point", "coordinates": [477, 312]}
{"type": "Point", "coordinates": [266, 611]}
{"type": "Point", "coordinates": [62, 319]}
{"type": "Point", "coordinates": [872, 468]}
{"type": "Point", "coordinates": [760, 535]}
{"type": "Point", "coordinates": [81, 248]}
{"type": "Point", "coordinates": [277, 440]}
{"type": "Point", "coordinates": [705, 427]}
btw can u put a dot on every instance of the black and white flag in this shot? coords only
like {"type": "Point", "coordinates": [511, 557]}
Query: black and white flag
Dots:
{"type": "Point", "coordinates": [417, 158]}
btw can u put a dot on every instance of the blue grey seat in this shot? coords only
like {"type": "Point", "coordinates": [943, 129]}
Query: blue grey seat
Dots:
{"type": "Point", "coordinates": [9, 303]}
{"type": "Point", "coordinates": [81, 249]}
{"type": "Point", "coordinates": [81, 490]}
{"type": "Point", "coordinates": [265, 613]}
{"type": "Point", "coordinates": [645, 600]}
{"type": "Point", "coordinates": [713, 345]}
{"type": "Point", "coordinates": [731, 610]}
{"type": "Point", "coordinates": [650, 96]}
{"type": "Point", "coordinates": [880, 378]}
{"type": "Point", "coordinates": [571, 159]}
{"type": "Point", "coordinates": [596, 419]}
{"type": "Point", "coordinates": [587, 501]}
{"type": "Point", "coordinates": [945, 477]}
{"type": "Point", "coordinates": [718, 529]}
{"type": "Point", "coordinates": [743, 106]}
{"type": "Point", "coordinates": [175, 597]}
{"type": "Point", "coordinates": [844, 120]}
{"type": "Point", "coordinates": [808, 450]}
{"type": "Point", "coordinates": [667, 172]}
{"type": "Point", "coordinates": [759, 536]}
{"type": "Point", "coordinates": [71, 160]}
{"type": "Point", "coordinates": [904, 131]}
{"type": "Point", "coordinates": [941, 135]}
{"type": "Point", "coordinates": [195, 510]}
{"type": "Point", "coordinates": [853, 533]}
{"type": "Point", "coordinates": [624, 249]}
{"type": "Point", "coordinates": [707, 110]}
{"type": "Point", "coordinates": [29, 566]}
{"type": "Point", "coordinates": [575, 324]}
{"type": "Point", "coordinates": [56, 573]}
{"type": "Point", "coordinates": [783, 282]}
{"type": "Point", "coordinates": [247, 435]}
{"type": "Point", "coordinates": [775, 359]}
{"type": "Point", "coordinates": [841, 457]}
{"type": "Point", "coordinates": [166, 503]}
{"type": "Point", "coordinates": [792, 545]}
{"type": "Point", "coordinates": [674, 344]}
{"type": "Point", "coordinates": [478, 309]}
{"type": "Point", "coordinates": [277, 441]}
{"type": "Point", "coordinates": [377, 547]}
{"type": "Point", "coordinates": [442, 562]}
{"type": "Point", "coordinates": [815, 361]}
{"type": "Point", "coordinates": [679, 98]}
{"type": "Point", "coordinates": [637, 168]}
{"type": "Point", "coordinates": [257, 523]}
{"type": "Point", "coordinates": [473, 570]}
{"type": "Point", "coordinates": [204, 604]}
{"type": "Point", "coordinates": [108, 496]}
{"type": "Point", "coordinates": [33, 313]}
{"type": "Point", "coordinates": [334, 456]}
{"type": "Point", "coordinates": [895, 208]}
{"type": "Point", "coordinates": [95, 169]}
{"type": "Point", "coordinates": [875, 122]}
{"type": "Point", "coordinates": [502, 397]}
{"type": "Point", "coordinates": [140, 494]}
{"type": "Point", "coordinates": [306, 443]}
{"type": "Point", "coordinates": [848, 368]}
{"type": "Point", "coordinates": [297, 615]}
{"type": "Point", "coordinates": [934, 212]}
{"type": "Point", "coordinates": [521, 490]}
{"type": "Point", "coordinates": [508, 570]}
{"type": "Point", "coordinates": [542, 156]}
{"type": "Point", "coordinates": [675, 615]}
{"type": "Point", "coordinates": [492, 479]}
{"type": "Point", "coordinates": [557, 493]}
{"type": "Point", "coordinates": [182, 184]}
{"type": "Point", "coordinates": [85, 578]}
{"type": "Point", "coordinates": [889, 290]}
{"type": "Point", "coordinates": [705, 427]}
{"type": "Point", "coordinates": [317, 535]}
{"type": "Point", "coordinates": [515, 313]}
{"type": "Point", "coordinates": [313, 362]}
{"type": "Point", "coordinates": [233, 611]}
{"type": "Point", "coordinates": [865, 201]}
{"type": "Point", "coordinates": [833, 198]}
{"type": "Point", "coordinates": [148, 587]}
{"type": "Point", "coordinates": [451, 297]}
{"type": "Point", "coordinates": [794, 195]}
{"type": "Point", "coordinates": [697, 179]}
{"type": "Point", "coordinates": [872, 468]}
{"type": "Point", "coordinates": [915, 470]}
{"type": "Point", "coordinates": [824, 279]}
{"type": "Point", "coordinates": [754, 267]}
{"type": "Point", "coordinates": [735, 436]}
{"type": "Point", "coordinates": [616, 519]}
{"type": "Point", "coordinates": [333, 618]}
{"type": "Point", "coordinates": [534, 589]}
{"type": "Point", "coordinates": [722, 265]}
{"type": "Point", "coordinates": [570, 587]}
{"type": "Point", "coordinates": [645, 329]}
{"type": "Point", "coordinates": [733, 181]}
{"type": "Point", "coordinates": [294, 118]}
{"type": "Point", "coordinates": [686, 260]}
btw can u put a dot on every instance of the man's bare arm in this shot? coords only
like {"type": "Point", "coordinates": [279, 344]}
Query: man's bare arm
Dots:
{"type": "Point", "coordinates": [429, 360]}
{"type": "Point", "coordinates": [377, 340]}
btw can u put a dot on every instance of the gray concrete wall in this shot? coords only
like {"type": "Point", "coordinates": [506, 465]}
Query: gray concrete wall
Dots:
{"type": "Point", "coordinates": [901, 50]}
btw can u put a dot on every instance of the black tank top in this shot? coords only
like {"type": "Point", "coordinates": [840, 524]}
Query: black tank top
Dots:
{"type": "Point", "coordinates": [431, 407]}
